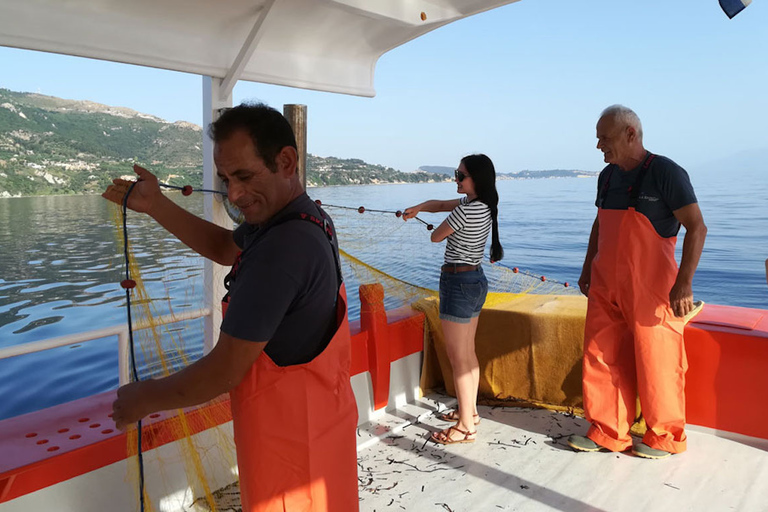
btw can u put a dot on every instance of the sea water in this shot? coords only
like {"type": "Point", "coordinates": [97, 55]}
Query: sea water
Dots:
{"type": "Point", "coordinates": [60, 265]}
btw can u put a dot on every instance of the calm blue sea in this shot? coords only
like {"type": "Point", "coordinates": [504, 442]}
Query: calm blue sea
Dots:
{"type": "Point", "coordinates": [60, 264]}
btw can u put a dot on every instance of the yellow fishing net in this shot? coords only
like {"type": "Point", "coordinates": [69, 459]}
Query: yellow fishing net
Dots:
{"type": "Point", "coordinates": [206, 448]}
{"type": "Point", "coordinates": [376, 246]}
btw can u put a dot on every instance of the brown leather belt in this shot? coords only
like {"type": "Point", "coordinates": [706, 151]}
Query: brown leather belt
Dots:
{"type": "Point", "coordinates": [454, 268]}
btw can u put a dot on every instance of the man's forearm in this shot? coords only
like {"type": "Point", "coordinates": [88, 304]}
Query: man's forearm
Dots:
{"type": "Point", "coordinates": [213, 374]}
{"type": "Point", "coordinates": [692, 248]}
{"type": "Point", "coordinates": [206, 238]}
{"type": "Point", "coordinates": [191, 386]}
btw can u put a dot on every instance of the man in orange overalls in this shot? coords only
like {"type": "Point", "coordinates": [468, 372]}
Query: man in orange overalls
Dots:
{"type": "Point", "coordinates": [633, 340]}
{"type": "Point", "coordinates": [284, 348]}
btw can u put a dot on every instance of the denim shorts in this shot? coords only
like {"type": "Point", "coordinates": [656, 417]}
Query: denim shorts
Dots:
{"type": "Point", "coordinates": [462, 295]}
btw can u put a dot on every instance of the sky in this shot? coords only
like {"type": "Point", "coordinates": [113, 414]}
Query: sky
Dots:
{"type": "Point", "coordinates": [524, 83]}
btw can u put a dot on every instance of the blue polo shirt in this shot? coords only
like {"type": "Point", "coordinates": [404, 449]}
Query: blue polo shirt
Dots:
{"type": "Point", "coordinates": [285, 288]}
{"type": "Point", "coordinates": [665, 188]}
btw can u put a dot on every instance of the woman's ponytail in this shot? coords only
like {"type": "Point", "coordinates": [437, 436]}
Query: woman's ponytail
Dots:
{"type": "Point", "coordinates": [497, 251]}
{"type": "Point", "coordinates": [483, 173]}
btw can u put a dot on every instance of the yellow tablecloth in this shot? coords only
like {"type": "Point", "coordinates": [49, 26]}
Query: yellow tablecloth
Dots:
{"type": "Point", "coordinates": [529, 348]}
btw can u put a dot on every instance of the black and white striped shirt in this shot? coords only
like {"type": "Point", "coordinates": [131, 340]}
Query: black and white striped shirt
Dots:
{"type": "Point", "coordinates": [471, 223]}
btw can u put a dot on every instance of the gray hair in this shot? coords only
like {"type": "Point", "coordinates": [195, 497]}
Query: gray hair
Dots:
{"type": "Point", "coordinates": [624, 116]}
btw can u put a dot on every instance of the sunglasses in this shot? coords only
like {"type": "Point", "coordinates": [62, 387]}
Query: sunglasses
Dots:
{"type": "Point", "coordinates": [460, 175]}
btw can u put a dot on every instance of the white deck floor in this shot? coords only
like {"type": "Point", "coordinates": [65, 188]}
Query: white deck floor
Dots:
{"type": "Point", "coordinates": [521, 462]}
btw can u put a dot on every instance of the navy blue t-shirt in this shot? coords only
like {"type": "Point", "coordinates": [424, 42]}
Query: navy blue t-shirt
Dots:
{"type": "Point", "coordinates": [665, 188]}
{"type": "Point", "coordinates": [286, 285]}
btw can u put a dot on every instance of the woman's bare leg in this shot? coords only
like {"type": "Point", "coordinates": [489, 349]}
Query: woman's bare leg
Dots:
{"type": "Point", "coordinates": [461, 353]}
{"type": "Point", "coordinates": [474, 364]}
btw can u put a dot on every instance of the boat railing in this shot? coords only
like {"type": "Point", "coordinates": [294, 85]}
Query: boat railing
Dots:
{"type": "Point", "coordinates": [56, 444]}
{"type": "Point", "coordinates": [120, 330]}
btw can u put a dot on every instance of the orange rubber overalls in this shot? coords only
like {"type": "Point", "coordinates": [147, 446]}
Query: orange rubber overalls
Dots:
{"type": "Point", "coordinates": [633, 342]}
{"type": "Point", "coordinates": [295, 429]}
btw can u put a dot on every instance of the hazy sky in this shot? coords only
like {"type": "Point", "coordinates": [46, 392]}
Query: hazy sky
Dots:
{"type": "Point", "coordinates": [523, 83]}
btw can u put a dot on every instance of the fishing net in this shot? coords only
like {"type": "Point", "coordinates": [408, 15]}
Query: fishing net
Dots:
{"type": "Point", "coordinates": [164, 343]}
{"type": "Point", "coordinates": [376, 246]}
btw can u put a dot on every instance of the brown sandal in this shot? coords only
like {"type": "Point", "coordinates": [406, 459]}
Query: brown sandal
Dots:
{"type": "Point", "coordinates": [454, 416]}
{"type": "Point", "coordinates": [444, 436]}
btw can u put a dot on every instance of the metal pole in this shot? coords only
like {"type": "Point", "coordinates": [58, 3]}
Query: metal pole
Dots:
{"type": "Point", "coordinates": [213, 274]}
{"type": "Point", "coordinates": [297, 117]}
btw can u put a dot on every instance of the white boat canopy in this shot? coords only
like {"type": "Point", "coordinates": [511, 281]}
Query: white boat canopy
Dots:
{"type": "Point", "coordinates": [327, 45]}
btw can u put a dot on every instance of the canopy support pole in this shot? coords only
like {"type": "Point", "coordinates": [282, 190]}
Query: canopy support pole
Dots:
{"type": "Point", "coordinates": [214, 99]}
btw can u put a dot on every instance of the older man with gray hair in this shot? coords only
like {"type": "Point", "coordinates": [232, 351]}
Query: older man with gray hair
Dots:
{"type": "Point", "coordinates": [633, 341]}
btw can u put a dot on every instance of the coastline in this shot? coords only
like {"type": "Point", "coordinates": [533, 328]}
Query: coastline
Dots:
{"type": "Point", "coordinates": [500, 177]}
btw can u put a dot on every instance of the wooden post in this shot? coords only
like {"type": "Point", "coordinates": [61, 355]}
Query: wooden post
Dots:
{"type": "Point", "coordinates": [297, 117]}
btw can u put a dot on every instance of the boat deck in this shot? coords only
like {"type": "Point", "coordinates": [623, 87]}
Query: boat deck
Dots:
{"type": "Point", "coordinates": [521, 461]}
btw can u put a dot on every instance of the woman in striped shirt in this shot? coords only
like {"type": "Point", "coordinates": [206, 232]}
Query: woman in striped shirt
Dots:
{"type": "Point", "coordinates": [463, 285]}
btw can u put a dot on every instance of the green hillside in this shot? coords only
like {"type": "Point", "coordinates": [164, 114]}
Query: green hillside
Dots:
{"type": "Point", "coordinates": [352, 171]}
{"type": "Point", "coordinates": [54, 146]}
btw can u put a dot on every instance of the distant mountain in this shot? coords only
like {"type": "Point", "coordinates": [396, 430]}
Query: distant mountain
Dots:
{"type": "Point", "coordinates": [352, 171]}
{"type": "Point", "coordinates": [522, 175]}
{"type": "Point", "coordinates": [746, 162]}
{"type": "Point", "coordinates": [438, 169]}
{"type": "Point", "coordinates": [556, 173]}
{"type": "Point", "coordinates": [51, 145]}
